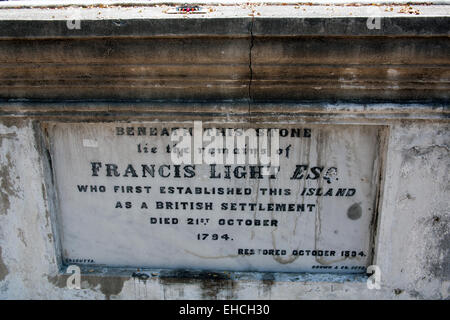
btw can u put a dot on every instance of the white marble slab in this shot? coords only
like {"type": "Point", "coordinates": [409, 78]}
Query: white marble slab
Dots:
{"type": "Point", "coordinates": [333, 233]}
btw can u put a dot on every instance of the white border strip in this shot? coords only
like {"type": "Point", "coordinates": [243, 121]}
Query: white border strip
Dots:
{"type": "Point", "coordinates": [20, 4]}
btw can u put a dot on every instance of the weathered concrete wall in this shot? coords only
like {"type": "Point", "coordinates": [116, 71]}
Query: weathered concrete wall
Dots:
{"type": "Point", "coordinates": [265, 60]}
{"type": "Point", "coordinates": [412, 247]}
{"type": "Point", "coordinates": [262, 53]}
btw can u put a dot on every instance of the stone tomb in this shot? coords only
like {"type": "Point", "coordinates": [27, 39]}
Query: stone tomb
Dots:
{"type": "Point", "coordinates": [123, 202]}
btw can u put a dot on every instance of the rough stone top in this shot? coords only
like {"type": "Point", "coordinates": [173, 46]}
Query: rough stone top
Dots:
{"type": "Point", "coordinates": [113, 9]}
{"type": "Point", "coordinates": [47, 19]}
{"type": "Point", "coordinates": [162, 9]}
{"type": "Point", "coordinates": [58, 3]}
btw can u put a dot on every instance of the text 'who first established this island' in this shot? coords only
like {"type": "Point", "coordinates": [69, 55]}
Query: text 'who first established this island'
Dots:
{"type": "Point", "coordinates": [124, 202]}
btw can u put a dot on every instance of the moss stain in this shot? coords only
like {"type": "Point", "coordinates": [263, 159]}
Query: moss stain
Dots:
{"type": "Point", "coordinates": [109, 286]}
{"type": "Point", "coordinates": [211, 284]}
{"type": "Point", "coordinates": [6, 186]}
{"type": "Point", "coordinates": [3, 268]}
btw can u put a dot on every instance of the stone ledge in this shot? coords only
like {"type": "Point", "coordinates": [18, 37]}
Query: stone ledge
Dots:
{"type": "Point", "coordinates": [228, 20]}
{"type": "Point", "coordinates": [230, 27]}
{"type": "Point", "coordinates": [231, 111]}
{"type": "Point", "coordinates": [279, 55]}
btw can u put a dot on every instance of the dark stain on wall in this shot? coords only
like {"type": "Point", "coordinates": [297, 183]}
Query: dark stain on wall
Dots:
{"type": "Point", "coordinates": [6, 185]}
{"type": "Point", "coordinates": [354, 212]}
{"type": "Point", "coordinates": [58, 281]}
{"type": "Point", "coordinates": [212, 284]}
{"type": "Point", "coordinates": [441, 233]}
{"type": "Point", "coordinates": [267, 282]}
{"type": "Point", "coordinates": [212, 288]}
{"type": "Point", "coordinates": [3, 268]}
{"type": "Point", "coordinates": [109, 286]}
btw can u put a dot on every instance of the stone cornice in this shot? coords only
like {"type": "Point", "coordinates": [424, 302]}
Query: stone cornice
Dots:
{"type": "Point", "coordinates": [118, 55]}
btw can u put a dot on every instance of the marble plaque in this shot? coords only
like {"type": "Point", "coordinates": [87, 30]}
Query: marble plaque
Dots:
{"type": "Point", "coordinates": [124, 202]}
